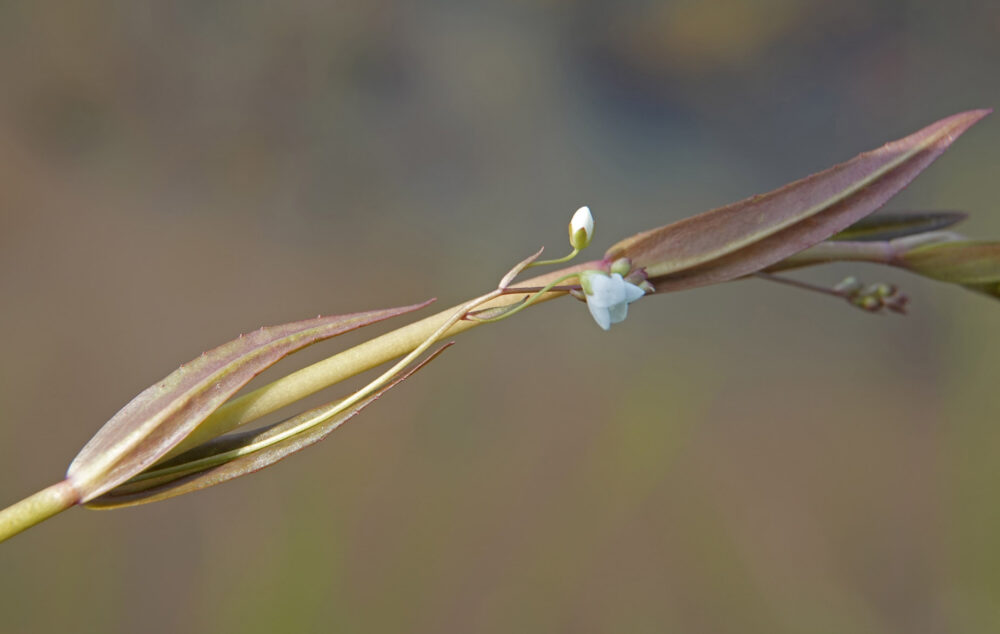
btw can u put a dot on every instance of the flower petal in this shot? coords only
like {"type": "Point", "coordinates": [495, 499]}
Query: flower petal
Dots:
{"type": "Point", "coordinates": [633, 292]}
{"type": "Point", "coordinates": [609, 296]}
{"type": "Point", "coordinates": [619, 287]}
{"type": "Point", "coordinates": [606, 291]}
{"type": "Point", "coordinates": [600, 315]}
{"type": "Point", "coordinates": [618, 312]}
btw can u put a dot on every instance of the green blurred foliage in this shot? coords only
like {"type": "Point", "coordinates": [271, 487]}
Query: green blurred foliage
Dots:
{"type": "Point", "coordinates": [737, 458]}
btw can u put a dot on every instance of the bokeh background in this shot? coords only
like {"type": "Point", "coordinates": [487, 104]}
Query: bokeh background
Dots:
{"type": "Point", "coordinates": [741, 458]}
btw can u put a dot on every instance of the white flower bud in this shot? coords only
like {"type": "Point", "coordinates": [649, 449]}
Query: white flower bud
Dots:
{"type": "Point", "coordinates": [581, 228]}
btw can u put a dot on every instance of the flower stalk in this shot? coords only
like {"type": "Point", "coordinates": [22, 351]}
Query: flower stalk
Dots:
{"type": "Point", "coordinates": [406, 342]}
{"type": "Point", "coordinates": [174, 437]}
{"type": "Point", "coordinates": [353, 361]}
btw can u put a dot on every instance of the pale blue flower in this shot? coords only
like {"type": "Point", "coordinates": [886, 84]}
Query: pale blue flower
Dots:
{"type": "Point", "coordinates": [608, 296]}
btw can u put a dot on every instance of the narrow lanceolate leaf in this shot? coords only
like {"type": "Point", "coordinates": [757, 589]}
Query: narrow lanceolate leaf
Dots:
{"type": "Point", "coordinates": [752, 234]}
{"type": "Point", "coordinates": [973, 264]}
{"type": "Point", "coordinates": [163, 414]}
{"type": "Point", "coordinates": [520, 266]}
{"type": "Point", "coordinates": [237, 454]}
{"type": "Point", "coordinates": [897, 224]}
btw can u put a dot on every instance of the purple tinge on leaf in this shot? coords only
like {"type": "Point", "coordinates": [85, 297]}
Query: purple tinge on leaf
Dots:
{"type": "Point", "coordinates": [752, 234]}
{"type": "Point", "coordinates": [162, 415]}
{"type": "Point", "coordinates": [189, 477]}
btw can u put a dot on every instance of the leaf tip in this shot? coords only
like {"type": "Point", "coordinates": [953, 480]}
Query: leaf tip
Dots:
{"type": "Point", "coordinates": [965, 120]}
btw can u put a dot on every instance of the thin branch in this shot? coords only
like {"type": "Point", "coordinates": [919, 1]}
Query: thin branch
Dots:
{"type": "Point", "coordinates": [826, 290]}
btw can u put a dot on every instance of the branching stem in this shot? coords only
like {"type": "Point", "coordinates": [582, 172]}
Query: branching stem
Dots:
{"type": "Point", "coordinates": [800, 284]}
{"type": "Point", "coordinates": [408, 342]}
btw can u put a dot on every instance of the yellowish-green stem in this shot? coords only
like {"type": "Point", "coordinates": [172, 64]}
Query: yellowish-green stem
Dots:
{"type": "Point", "coordinates": [365, 356]}
{"type": "Point", "coordinates": [36, 508]}
{"type": "Point", "coordinates": [328, 413]}
{"type": "Point", "coordinates": [566, 258]}
{"type": "Point", "coordinates": [288, 390]}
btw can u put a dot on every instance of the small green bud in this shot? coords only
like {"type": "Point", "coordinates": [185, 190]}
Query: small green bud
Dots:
{"type": "Point", "coordinates": [848, 285]}
{"type": "Point", "coordinates": [878, 289]}
{"type": "Point", "coordinates": [586, 278]}
{"type": "Point", "coordinates": [621, 266]}
{"type": "Point", "coordinates": [868, 302]}
{"type": "Point", "coordinates": [885, 290]}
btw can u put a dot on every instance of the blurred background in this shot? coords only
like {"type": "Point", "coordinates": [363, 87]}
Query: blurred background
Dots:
{"type": "Point", "coordinates": [740, 458]}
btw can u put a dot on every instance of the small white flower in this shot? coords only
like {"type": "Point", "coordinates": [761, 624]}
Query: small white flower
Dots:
{"type": "Point", "coordinates": [581, 228]}
{"type": "Point", "coordinates": [608, 296]}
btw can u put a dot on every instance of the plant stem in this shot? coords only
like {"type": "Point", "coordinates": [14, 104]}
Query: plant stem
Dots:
{"type": "Point", "coordinates": [363, 393]}
{"type": "Point", "coordinates": [800, 284]}
{"type": "Point", "coordinates": [838, 251]}
{"type": "Point", "coordinates": [350, 362]}
{"type": "Point", "coordinates": [533, 299]}
{"type": "Point", "coordinates": [566, 258]}
{"type": "Point", "coordinates": [36, 508]}
{"type": "Point", "coordinates": [877, 252]}
{"type": "Point", "coordinates": [296, 386]}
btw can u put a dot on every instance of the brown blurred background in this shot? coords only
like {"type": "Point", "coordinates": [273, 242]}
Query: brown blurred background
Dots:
{"type": "Point", "coordinates": [742, 458]}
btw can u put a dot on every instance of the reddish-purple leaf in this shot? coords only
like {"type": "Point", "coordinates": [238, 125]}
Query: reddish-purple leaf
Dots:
{"type": "Point", "coordinates": [161, 416]}
{"type": "Point", "coordinates": [187, 480]}
{"type": "Point", "coordinates": [752, 234]}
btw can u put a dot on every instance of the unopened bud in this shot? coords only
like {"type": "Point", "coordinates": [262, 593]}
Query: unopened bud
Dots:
{"type": "Point", "coordinates": [879, 290]}
{"type": "Point", "coordinates": [868, 302]}
{"type": "Point", "coordinates": [581, 228]}
{"type": "Point", "coordinates": [621, 266]}
{"type": "Point", "coordinates": [885, 290]}
{"type": "Point", "coordinates": [848, 285]}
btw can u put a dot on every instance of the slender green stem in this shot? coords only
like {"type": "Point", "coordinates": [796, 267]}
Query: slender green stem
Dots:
{"type": "Point", "coordinates": [837, 251]}
{"type": "Point", "coordinates": [298, 385]}
{"type": "Point", "coordinates": [226, 456]}
{"type": "Point", "coordinates": [562, 260]}
{"type": "Point", "coordinates": [36, 508]}
{"type": "Point", "coordinates": [800, 284]}
{"type": "Point", "coordinates": [524, 290]}
{"type": "Point", "coordinates": [876, 251]}
{"type": "Point", "coordinates": [531, 300]}
{"type": "Point", "coordinates": [461, 313]}
{"type": "Point", "coordinates": [365, 356]}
